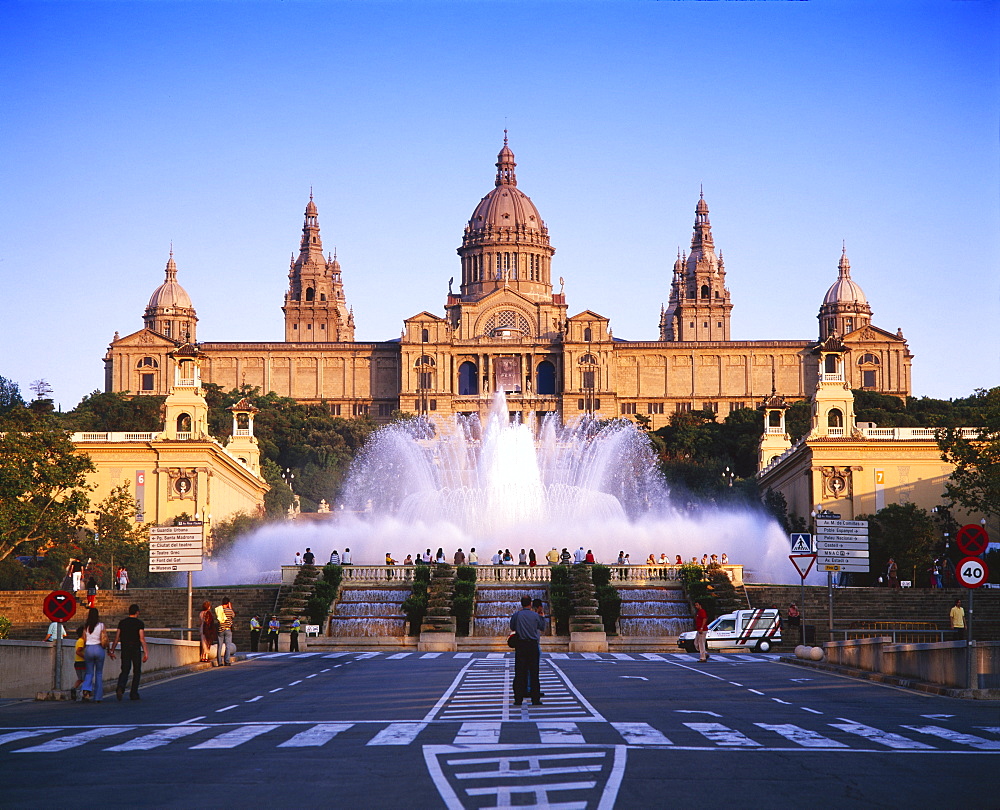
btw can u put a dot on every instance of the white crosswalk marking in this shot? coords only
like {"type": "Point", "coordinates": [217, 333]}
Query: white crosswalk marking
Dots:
{"type": "Point", "coordinates": [319, 734]}
{"type": "Point", "coordinates": [73, 740]}
{"type": "Point", "coordinates": [397, 656]}
{"type": "Point", "coordinates": [622, 656]}
{"type": "Point", "coordinates": [478, 734]}
{"type": "Point", "coordinates": [237, 736]}
{"type": "Point", "coordinates": [495, 655]}
{"type": "Point", "coordinates": [306, 655]}
{"type": "Point", "coordinates": [744, 657]}
{"type": "Point", "coordinates": [431, 655]}
{"type": "Point", "coordinates": [22, 735]}
{"type": "Point", "coordinates": [991, 729]}
{"type": "Point", "coordinates": [552, 732]}
{"type": "Point", "coordinates": [591, 656]}
{"type": "Point", "coordinates": [398, 734]}
{"type": "Point", "coordinates": [364, 655]}
{"type": "Point", "coordinates": [463, 655]}
{"type": "Point", "coordinates": [559, 655]}
{"type": "Point", "coordinates": [640, 734]}
{"type": "Point", "coordinates": [157, 738]}
{"type": "Point", "coordinates": [955, 736]}
{"type": "Point", "coordinates": [886, 738]}
{"type": "Point", "coordinates": [653, 657]}
{"type": "Point", "coordinates": [801, 736]}
{"type": "Point", "coordinates": [335, 655]}
{"type": "Point", "coordinates": [683, 657]}
{"type": "Point", "coordinates": [722, 735]}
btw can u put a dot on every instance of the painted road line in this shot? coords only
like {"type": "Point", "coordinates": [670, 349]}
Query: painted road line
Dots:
{"type": "Point", "coordinates": [335, 655]}
{"type": "Point", "coordinates": [801, 736]}
{"type": "Point", "coordinates": [398, 734]}
{"type": "Point", "coordinates": [683, 657]}
{"type": "Point", "coordinates": [364, 655]}
{"type": "Point", "coordinates": [653, 657]}
{"type": "Point", "coordinates": [496, 655]}
{"type": "Point", "coordinates": [275, 655]}
{"type": "Point", "coordinates": [756, 692]}
{"type": "Point", "coordinates": [22, 735]}
{"type": "Point", "coordinates": [255, 699]}
{"type": "Point", "coordinates": [306, 655]}
{"type": "Point", "coordinates": [295, 683]}
{"type": "Point", "coordinates": [237, 736]}
{"type": "Point", "coordinates": [779, 700]}
{"type": "Point", "coordinates": [722, 735]}
{"type": "Point", "coordinates": [591, 656]}
{"type": "Point", "coordinates": [431, 655]}
{"type": "Point", "coordinates": [622, 656]}
{"type": "Point", "coordinates": [226, 709]}
{"type": "Point", "coordinates": [478, 734]}
{"type": "Point", "coordinates": [561, 656]}
{"type": "Point", "coordinates": [811, 711]}
{"type": "Point", "coordinates": [272, 691]}
{"type": "Point", "coordinates": [553, 733]}
{"type": "Point", "coordinates": [312, 676]}
{"type": "Point", "coordinates": [316, 736]}
{"type": "Point", "coordinates": [640, 734]}
{"type": "Point", "coordinates": [73, 740]}
{"type": "Point", "coordinates": [157, 738]}
{"type": "Point", "coordinates": [954, 736]}
{"type": "Point", "coordinates": [885, 738]}
{"type": "Point", "coordinates": [991, 729]}
{"type": "Point", "coordinates": [397, 656]}
{"type": "Point", "coordinates": [462, 655]}
{"type": "Point", "coordinates": [736, 684]}
{"type": "Point", "coordinates": [192, 720]}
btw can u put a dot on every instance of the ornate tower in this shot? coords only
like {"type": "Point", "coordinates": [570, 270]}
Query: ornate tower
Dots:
{"type": "Point", "coordinates": [699, 307]}
{"type": "Point", "coordinates": [506, 244]}
{"type": "Point", "coordinates": [169, 311]}
{"type": "Point", "coordinates": [185, 410]}
{"type": "Point", "coordinates": [845, 307]}
{"type": "Point", "coordinates": [243, 443]}
{"type": "Point", "coordinates": [315, 307]}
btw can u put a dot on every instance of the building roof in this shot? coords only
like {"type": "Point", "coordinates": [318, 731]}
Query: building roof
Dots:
{"type": "Point", "coordinates": [170, 294]}
{"type": "Point", "coordinates": [845, 290]}
{"type": "Point", "coordinates": [506, 206]}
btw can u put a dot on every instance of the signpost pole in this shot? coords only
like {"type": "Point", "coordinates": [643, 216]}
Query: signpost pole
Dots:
{"type": "Point", "coordinates": [190, 596]}
{"type": "Point", "coordinates": [970, 657]}
{"type": "Point", "coordinates": [57, 673]}
{"type": "Point", "coordinates": [829, 597]}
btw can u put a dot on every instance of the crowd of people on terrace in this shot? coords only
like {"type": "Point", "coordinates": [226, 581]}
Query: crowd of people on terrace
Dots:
{"type": "Point", "coordinates": [523, 557]}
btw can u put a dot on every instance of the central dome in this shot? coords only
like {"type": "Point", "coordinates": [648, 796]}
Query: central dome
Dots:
{"type": "Point", "coordinates": [845, 290]}
{"type": "Point", "coordinates": [170, 294]}
{"type": "Point", "coordinates": [506, 206]}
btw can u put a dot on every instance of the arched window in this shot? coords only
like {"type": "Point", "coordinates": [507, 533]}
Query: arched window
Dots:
{"type": "Point", "coordinates": [545, 379]}
{"type": "Point", "coordinates": [588, 334]}
{"type": "Point", "coordinates": [831, 364]}
{"type": "Point", "coordinates": [835, 418]}
{"type": "Point", "coordinates": [468, 379]}
{"type": "Point", "coordinates": [589, 364]}
{"type": "Point", "coordinates": [147, 362]}
{"type": "Point", "coordinates": [184, 423]}
{"type": "Point", "coordinates": [868, 359]}
{"type": "Point", "coordinates": [705, 292]}
{"type": "Point", "coordinates": [310, 294]}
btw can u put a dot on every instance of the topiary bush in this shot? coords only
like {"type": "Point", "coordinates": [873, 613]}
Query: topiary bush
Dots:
{"type": "Point", "coordinates": [609, 603]}
{"type": "Point", "coordinates": [559, 601]}
{"type": "Point", "coordinates": [465, 594]}
{"type": "Point", "coordinates": [601, 575]}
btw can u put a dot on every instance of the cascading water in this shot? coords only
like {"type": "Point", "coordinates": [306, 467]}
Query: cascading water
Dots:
{"type": "Point", "coordinates": [369, 612]}
{"type": "Point", "coordinates": [497, 484]}
{"type": "Point", "coordinates": [494, 607]}
{"type": "Point", "coordinates": [654, 611]}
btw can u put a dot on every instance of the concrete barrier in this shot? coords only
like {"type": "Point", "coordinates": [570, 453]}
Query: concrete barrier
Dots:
{"type": "Point", "coordinates": [941, 662]}
{"type": "Point", "coordinates": [27, 667]}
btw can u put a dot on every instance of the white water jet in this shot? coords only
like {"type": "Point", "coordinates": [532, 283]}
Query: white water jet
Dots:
{"type": "Point", "coordinates": [504, 485]}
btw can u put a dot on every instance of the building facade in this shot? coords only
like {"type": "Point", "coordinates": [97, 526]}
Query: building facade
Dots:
{"type": "Point", "coordinates": [508, 327]}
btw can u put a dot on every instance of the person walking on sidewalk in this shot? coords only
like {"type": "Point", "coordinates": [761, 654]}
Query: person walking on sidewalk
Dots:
{"type": "Point", "coordinates": [95, 640]}
{"type": "Point", "coordinates": [701, 632]}
{"type": "Point", "coordinates": [956, 616]}
{"type": "Point", "coordinates": [135, 653]}
{"type": "Point", "coordinates": [225, 614]}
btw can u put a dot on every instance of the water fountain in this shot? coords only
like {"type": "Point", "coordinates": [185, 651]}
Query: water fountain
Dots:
{"type": "Point", "coordinates": [494, 607]}
{"type": "Point", "coordinates": [369, 612]}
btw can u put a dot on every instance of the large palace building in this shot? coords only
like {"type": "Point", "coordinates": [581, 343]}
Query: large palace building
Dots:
{"type": "Point", "coordinates": [507, 328]}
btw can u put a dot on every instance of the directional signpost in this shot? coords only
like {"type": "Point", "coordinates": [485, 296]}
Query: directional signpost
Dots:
{"type": "Point", "coordinates": [178, 548]}
{"type": "Point", "coordinates": [842, 545]}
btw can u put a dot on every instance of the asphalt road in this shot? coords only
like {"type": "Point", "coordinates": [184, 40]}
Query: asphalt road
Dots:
{"type": "Point", "coordinates": [415, 730]}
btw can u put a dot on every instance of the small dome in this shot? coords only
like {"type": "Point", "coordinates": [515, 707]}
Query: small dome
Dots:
{"type": "Point", "coordinates": [845, 290]}
{"type": "Point", "coordinates": [506, 207]}
{"type": "Point", "coordinates": [170, 294]}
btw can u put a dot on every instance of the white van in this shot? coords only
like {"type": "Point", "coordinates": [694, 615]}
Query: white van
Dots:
{"type": "Point", "coordinates": [758, 629]}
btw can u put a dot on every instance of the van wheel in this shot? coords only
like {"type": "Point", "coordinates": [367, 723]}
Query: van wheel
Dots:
{"type": "Point", "coordinates": [763, 645]}
{"type": "Point", "coordinates": [689, 646]}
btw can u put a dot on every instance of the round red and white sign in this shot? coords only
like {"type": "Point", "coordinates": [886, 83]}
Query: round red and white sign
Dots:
{"type": "Point", "coordinates": [971, 572]}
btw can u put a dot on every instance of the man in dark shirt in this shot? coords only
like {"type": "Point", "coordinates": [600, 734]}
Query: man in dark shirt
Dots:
{"type": "Point", "coordinates": [132, 634]}
{"type": "Point", "coordinates": [309, 558]}
{"type": "Point", "coordinates": [529, 626]}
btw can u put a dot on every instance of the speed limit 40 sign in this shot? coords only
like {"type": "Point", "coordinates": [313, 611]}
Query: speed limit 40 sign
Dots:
{"type": "Point", "coordinates": [971, 572]}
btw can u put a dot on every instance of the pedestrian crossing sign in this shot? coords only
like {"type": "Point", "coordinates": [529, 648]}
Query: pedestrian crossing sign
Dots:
{"type": "Point", "coordinates": [802, 543]}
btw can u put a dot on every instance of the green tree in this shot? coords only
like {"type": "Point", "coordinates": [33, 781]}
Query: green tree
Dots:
{"type": "Point", "coordinates": [975, 482]}
{"type": "Point", "coordinates": [905, 532]}
{"type": "Point", "coordinates": [109, 412]}
{"type": "Point", "coordinates": [43, 487]}
{"type": "Point", "coordinates": [10, 396]}
{"type": "Point", "coordinates": [119, 540]}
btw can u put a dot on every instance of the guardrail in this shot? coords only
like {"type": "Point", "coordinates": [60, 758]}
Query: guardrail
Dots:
{"type": "Point", "coordinates": [897, 636]}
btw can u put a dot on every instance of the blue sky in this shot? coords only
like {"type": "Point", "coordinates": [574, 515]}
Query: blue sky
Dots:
{"type": "Point", "coordinates": [128, 125]}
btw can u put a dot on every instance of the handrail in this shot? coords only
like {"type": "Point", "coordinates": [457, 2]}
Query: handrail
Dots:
{"type": "Point", "coordinates": [912, 636]}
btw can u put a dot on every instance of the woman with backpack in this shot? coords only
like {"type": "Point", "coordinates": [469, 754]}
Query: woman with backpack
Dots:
{"type": "Point", "coordinates": [209, 630]}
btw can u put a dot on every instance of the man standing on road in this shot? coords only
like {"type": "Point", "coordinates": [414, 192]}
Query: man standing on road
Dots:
{"type": "Point", "coordinates": [132, 634]}
{"type": "Point", "coordinates": [528, 626]}
{"type": "Point", "coordinates": [225, 615]}
{"type": "Point", "coordinates": [273, 628]}
{"type": "Point", "coordinates": [293, 638]}
{"type": "Point", "coordinates": [255, 633]}
{"type": "Point", "coordinates": [957, 618]}
{"type": "Point", "coordinates": [701, 632]}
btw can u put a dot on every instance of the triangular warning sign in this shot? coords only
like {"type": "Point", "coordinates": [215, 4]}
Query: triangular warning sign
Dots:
{"type": "Point", "coordinates": [803, 563]}
{"type": "Point", "coordinates": [801, 543]}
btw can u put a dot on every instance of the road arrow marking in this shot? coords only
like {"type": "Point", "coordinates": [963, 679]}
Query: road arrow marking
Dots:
{"type": "Point", "coordinates": [937, 716]}
{"type": "Point", "coordinates": [634, 677]}
{"type": "Point", "coordinates": [695, 711]}
{"type": "Point", "coordinates": [803, 680]}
